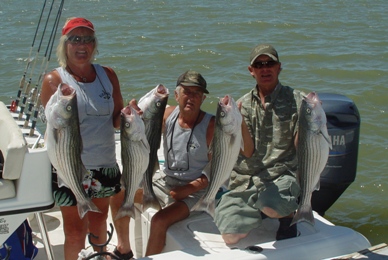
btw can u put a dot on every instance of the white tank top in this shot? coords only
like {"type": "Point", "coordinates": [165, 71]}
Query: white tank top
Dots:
{"type": "Point", "coordinates": [186, 153]}
{"type": "Point", "coordinates": [95, 110]}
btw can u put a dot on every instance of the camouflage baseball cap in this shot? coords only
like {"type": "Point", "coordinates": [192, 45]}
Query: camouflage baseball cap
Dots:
{"type": "Point", "coordinates": [192, 78]}
{"type": "Point", "coordinates": [264, 49]}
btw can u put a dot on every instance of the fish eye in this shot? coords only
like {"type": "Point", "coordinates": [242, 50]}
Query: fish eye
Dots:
{"type": "Point", "coordinates": [127, 125]}
{"type": "Point", "coordinates": [158, 104]}
{"type": "Point", "coordinates": [222, 114]}
{"type": "Point", "coordinates": [68, 108]}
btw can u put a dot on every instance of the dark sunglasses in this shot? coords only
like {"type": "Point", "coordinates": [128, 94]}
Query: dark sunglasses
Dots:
{"type": "Point", "coordinates": [262, 64]}
{"type": "Point", "coordinates": [75, 39]}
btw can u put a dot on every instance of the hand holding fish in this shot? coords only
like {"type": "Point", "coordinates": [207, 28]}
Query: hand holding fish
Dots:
{"type": "Point", "coordinates": [153, 105]}
{"type": "Point", "coordinates": [225, 147]}
{"type": "Point", "coordinates": [312, 151]}
{"type": "Point", "coordinates": [134, 156]}
{"type": "Point", "coordinates": [64, 144]}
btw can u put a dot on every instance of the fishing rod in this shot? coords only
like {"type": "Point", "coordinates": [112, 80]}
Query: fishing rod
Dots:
{"type": "Point", "coordinates": [15, 103]}
{"type": "Point", "coordinates": [27, 89]}
{"type": "Point", "coordinates": [34, 95]}
{"type": "Point", "coordinates": [31, 104]}
{"type": "Point", "coordinates": [35, 116]}
{"type": "Point", "coordinates": [37, 104]}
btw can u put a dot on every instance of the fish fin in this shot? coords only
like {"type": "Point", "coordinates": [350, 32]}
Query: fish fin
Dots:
{"type": "Point", "coordinates": [326, 136]}
{"type": "Point", "coordinates": [206, 170]}
{"type": "Point", "coordinates": [210, 151]}
{"type": "Point", "coordinates": [125, 211]}
{"type": "Point", "coordinates": [156, 166]}
{"type": "Point", "coordinates": [317, 186]}
{"type": "Point", "coordinates": [55, 134]}
{"type": "Point", "coordinates": [233, 139]}
{"type": "Point", "coordinates": [150, 201]}
{"type": "Point", "coordinates": [207, 206]}
{"type": "Point", "coordinates": [144, 141]}
{"type": "Point", "coordinates": [84, 207]}
{"type": "Point", "coordinates": [304, 213]}
{"type": "Point", "coordinates": [211, 208]}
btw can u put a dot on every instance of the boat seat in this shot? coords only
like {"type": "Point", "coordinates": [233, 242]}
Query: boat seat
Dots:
{"type": "Point", "coordinates": [13, 148]}
{"type": "Point", "coordinates": [25, 176]}
{"type": "Point", "coordinates": [7, 189]}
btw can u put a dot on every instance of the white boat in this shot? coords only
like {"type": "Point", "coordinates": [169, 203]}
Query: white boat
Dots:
{"type": "Point", "coordinates": [25, 193]}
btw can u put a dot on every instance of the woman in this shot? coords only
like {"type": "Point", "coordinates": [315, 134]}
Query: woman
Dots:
{"type": "Point", "coordinates": [99, 103]}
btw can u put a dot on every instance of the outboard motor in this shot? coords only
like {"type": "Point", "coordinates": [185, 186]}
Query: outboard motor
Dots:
{"type": "Point", "coordinates": [343, 125]}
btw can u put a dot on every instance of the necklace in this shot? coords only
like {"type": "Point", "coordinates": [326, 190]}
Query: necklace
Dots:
{"type": "Point", "coordinates": [84, 79]}
{"type": "Point", "coordinates": [187, 145]}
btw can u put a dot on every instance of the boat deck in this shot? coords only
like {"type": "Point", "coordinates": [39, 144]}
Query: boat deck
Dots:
{"type": "Point", "coordinates": [198, 238]}
{"type": "Point", "coordinates": [54, 225]}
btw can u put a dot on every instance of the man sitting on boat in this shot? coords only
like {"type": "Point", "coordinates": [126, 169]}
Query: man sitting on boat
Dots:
{"type": "Point", "coordinates": [263, 184]}
{"type": "Point", "coordinates": [187, 134]}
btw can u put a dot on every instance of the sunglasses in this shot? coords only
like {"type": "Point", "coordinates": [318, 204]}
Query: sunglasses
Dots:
{"type": "Point", "coordinates": [75, 39]}
{"type": "Point", "coordinates": [262, 64]}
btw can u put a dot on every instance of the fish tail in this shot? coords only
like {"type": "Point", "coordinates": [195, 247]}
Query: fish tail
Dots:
{"type": "Point", "coordinates": [84, 207]}
{"type": "Point", "coordinates": [304, 213]}
{"type": "Point", "coordinates": [198, 206]}
{"type": "Point", "coordinates": [126, 211]}
{"type": "Point", "coordinates": [211, 208]}
{"type": "Point", "coordinates": [205, 205]}
{"type": "Point", "coordinates": [150, 202]}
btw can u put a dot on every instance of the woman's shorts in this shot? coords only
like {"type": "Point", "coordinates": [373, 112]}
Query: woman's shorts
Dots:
{"type": "Point", "coordinates": [239, 212]}
{"type": "Point", "coordinates": [98, 183]}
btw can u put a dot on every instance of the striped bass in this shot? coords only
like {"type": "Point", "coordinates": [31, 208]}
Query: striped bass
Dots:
{"type": "Point", "coordinates": [225, 147]}
{"type": "Point", "coordinates": [134, 157]}
{"type": "Point", "coordinates": [153, 105]}
{"type": "Point", "coordinates": [64, 144]}
{"type": "Point", "coordinates": [312, 152]}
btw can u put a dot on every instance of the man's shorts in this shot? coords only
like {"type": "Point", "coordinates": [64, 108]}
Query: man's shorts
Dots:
{"type": "Point", "coordinates": [163, 186]}
{"type": "Point", "coordinates": [238, 212]}
{"type": "Point", "coordinates": [98, 183]}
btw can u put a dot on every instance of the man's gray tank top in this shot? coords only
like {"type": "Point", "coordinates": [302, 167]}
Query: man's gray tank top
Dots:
{"type": "Point", "coordinates": [186, 155]}
{"type": "Point", "coordinates": [95, 110]}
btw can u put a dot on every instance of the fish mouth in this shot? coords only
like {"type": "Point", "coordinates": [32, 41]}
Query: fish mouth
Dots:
{"type": "Point", "coordinates": [225, 100]}
{"type": "Point", "coordinates": [312, 98]}
{"type": "Point", "coordinates": [126, 111]}
{"type": "Point", "coordinates": [312, 95]}
{"type": "Point", "coordinates": [66, 90]}
{"type": "Point", "coordinates": [161, 90]}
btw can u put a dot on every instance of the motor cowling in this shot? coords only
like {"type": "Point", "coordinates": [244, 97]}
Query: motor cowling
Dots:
{"type": "Point", "coordinates": [343, 125]}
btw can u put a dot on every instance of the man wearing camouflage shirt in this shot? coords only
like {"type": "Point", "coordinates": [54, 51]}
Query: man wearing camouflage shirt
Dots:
{"type": "Point", "coordinates": [263, 182]}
